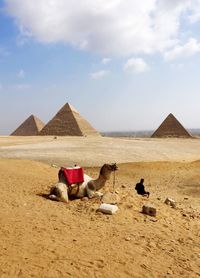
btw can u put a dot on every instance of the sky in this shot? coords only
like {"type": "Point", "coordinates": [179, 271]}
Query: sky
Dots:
{"type": "Point", "coordinates": [124, 65]}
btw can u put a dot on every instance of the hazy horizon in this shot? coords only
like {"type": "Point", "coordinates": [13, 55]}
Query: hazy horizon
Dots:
{"type": "Point", "coordinates": [124, 65]}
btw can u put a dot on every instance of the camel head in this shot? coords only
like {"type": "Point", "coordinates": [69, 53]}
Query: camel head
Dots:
{"type": "Point", "coordinates": [107, 169]}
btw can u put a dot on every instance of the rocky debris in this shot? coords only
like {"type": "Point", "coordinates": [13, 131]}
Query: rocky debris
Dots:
{"type": "Point", "coordinates": [150, 220]}
{"type": "Point", "coordinates": [190, 214]}
{"type": "Point", "coordinates": [110, 198]}
{"type": "Point", "coordinates": [149, 210]}
{"type": "Point", "coordinates": [107, 208]}
{"type": "Point", "coordinates": [170, 202]}
{"type": "Point", "coordinates": [129, 206]}
{"type": "Point", "coordinates": [153, 220]}
{"type": "Point", "coordinates": [54, 166]}
{"type": "Point", "coordinates": [84, 199]}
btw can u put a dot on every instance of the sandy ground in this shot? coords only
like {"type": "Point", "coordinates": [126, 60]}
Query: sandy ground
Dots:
{"type": "Point", "coordinates": [94, 151]}
{"type": "Point", "coordinates": [42, 238]}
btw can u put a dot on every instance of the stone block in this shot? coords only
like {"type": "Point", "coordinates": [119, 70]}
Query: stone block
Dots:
{"type": "Point", "coordinates": [149, 209]}
{"type": "Point", "coordinates": [107, 208]}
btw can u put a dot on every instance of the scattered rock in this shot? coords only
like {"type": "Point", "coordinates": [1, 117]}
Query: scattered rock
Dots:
{"type": "Point", "coordinates": [54, 165]}
{"type": "Point", "coordinates": [153, 220]}
{"type": "Point", "coordinates": [84, 199]}
{"type": "Point", "coordinates": [149, 209]}
{"type": "Point", "coordinates": [170, 202]}
{"type": "Point", "coordinates": [127, 238]}
{"type": "Point", "coordinates": [144, 266]}
{"type": "Point", "coordinates": [123, 186]}
{"type": "Point", "coordinates": [107, 208]}
{"type": "Point", "coordinates": [169, 272]}
{"type": "Point", "coordinates": [110, 198]}
{"type": "Point", "coordinates": [98, 213]}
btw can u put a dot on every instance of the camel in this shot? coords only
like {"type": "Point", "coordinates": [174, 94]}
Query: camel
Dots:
{"type": "Point", "coordinates": [61, 191]}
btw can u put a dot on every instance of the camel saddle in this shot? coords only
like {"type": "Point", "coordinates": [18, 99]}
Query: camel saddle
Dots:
{"type": "Point", "coordinates": [72, 174]}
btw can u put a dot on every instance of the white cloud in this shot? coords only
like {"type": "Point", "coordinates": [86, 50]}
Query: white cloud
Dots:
{"type": "Point", "coordinates": [21, 74]}
{"type": "Point", "coordinates": [186, 50]}
{"type": "Point", "coordinates": [114, 27]}
{"type": "Point", "coordinates": [99, 74]}
{"type": "Point", "coordinates": [135, 65]}
{"type": "Point", "coordinates": [194, 7]}
{"type": "Point", "coordinates": [21, 87]}
{"type": "Point", "coordinates": [105, 61]}
{"type": "Point", "coordinates": [176, 67]}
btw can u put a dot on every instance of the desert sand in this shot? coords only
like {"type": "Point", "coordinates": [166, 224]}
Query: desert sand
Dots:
{"type": "Point", "coordinates": [42, 238]}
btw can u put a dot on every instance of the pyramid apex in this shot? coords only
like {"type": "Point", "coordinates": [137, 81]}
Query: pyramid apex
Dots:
{"type": "Point", "coordinates": [68, 106]}
{"type": "Point", "coordinates": [32, 116]}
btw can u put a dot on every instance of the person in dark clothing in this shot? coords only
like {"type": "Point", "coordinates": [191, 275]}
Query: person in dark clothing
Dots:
{"type": "Point", "coordinates": [140, 188]}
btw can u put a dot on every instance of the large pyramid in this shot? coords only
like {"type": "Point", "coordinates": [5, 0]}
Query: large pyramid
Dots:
{"type": "Point", "coordinates": [171, 127]}
{"type": "Point", "coordinates": [29, 127]}
{"type": "Point", "coordinates": [68, 122]}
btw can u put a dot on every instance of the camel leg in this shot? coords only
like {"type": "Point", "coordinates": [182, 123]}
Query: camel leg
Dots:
{"type": "Point", "coordinates": [91, 193]}
{"type": "Point", "coordinates": [59, 192]}
{"type": "Point", "coordinates": [53, 197]}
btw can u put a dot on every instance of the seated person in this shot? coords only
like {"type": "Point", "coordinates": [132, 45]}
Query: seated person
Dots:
{"type": "Point", "coordinates": [140, 188]}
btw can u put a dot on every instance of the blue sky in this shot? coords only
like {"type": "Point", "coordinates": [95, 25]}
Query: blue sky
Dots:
{"type": "Point", "coordinates": [124, 65]}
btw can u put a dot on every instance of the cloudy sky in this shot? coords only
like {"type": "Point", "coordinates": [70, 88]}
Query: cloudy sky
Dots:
{"type": "Point", "coordinates": [124, 65]}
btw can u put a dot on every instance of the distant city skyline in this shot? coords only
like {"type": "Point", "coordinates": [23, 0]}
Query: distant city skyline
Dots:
{"type": "Point", "coordinates": [124, 65]}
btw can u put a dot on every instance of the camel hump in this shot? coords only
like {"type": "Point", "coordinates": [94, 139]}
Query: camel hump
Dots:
{"type": "Point", "coordinates": [87, 178]}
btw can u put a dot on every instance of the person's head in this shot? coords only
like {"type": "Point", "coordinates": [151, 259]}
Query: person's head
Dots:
{"type": "Point", "coordinates": [142, 180]}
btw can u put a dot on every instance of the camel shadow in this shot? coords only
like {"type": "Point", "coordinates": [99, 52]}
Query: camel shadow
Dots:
{"type": "Point", "coordinates": [43, 195]}
{"type": "Point", "coordinates": [46, 196]}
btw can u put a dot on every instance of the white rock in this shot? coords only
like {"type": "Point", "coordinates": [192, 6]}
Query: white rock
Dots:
{"type": "Point", "coordinates": [170, 202]}
{"type": "Point", "coordinates": [107, 208]}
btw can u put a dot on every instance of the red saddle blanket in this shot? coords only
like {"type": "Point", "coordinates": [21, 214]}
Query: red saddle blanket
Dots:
{"type": "Point", "coordinates": [72, 175]}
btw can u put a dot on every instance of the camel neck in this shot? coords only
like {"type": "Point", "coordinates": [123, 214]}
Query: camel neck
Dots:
{"type": "Point", "coordinates": [100, 182]}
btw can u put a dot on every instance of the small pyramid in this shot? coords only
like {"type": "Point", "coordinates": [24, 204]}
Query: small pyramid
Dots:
{"type": "Point", "coordinates": [29, 127]}
{"type": "Point", "coordinates": [171, 127]}
{"type": "Point", "coordinates": [68, 122]}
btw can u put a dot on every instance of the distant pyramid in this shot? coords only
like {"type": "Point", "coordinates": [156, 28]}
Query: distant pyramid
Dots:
{"type": "Point", "coordinates": [171, 127]}
{"type": "Point", "coordinates": [68, 122]}
{"type": "Point", "coordinates": [29, 127]}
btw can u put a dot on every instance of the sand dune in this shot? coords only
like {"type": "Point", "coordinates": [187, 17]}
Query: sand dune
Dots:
{"type": "Point", "coordinates": [42, 238]}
